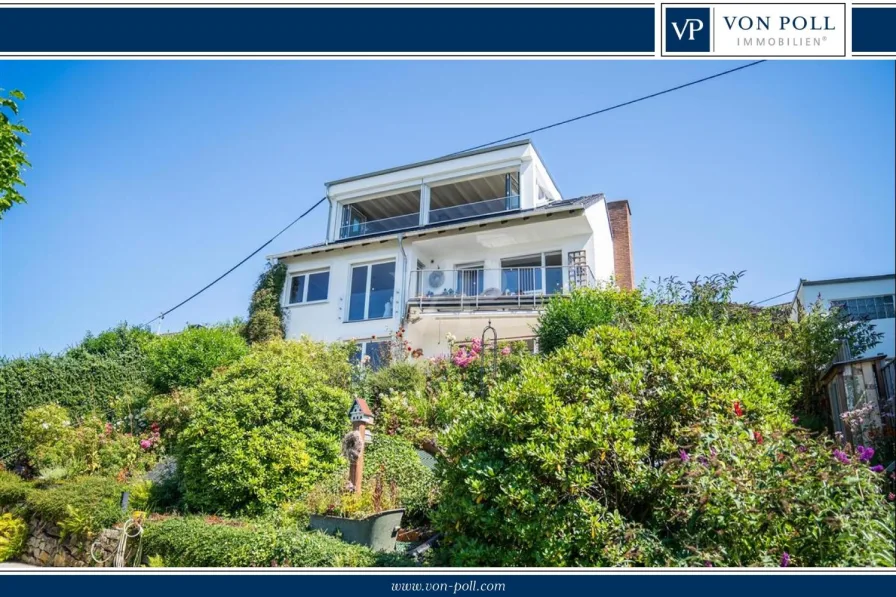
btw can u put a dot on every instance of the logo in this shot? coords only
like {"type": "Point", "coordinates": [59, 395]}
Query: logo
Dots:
{"type": "Point", "coordinates": [687, 29]}
{"type": "Point", "coordinates": [691, 26]}
{"type": "Point", "coordinates": [754, 30]}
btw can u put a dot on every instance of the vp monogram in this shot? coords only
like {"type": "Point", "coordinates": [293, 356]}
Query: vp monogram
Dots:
{"type": "Point", "coordinates": [691, 26]}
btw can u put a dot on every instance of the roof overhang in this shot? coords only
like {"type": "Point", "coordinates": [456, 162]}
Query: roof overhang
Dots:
{"type": "Point", "coordinates": [546, 211]}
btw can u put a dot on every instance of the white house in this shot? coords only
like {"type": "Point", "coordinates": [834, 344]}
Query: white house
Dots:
{"type": "Point", "coordinates": [868, 297]}
{"type": "Point", "coordinates": [447, 245]}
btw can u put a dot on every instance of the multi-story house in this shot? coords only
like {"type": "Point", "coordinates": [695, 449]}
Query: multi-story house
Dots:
{"type": "Point", "coordinates": [866, 297]}
{"type": "Point", "coordinates": [445, 246]}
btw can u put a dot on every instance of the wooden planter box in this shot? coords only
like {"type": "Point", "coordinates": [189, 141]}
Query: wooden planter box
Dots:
{"type": "Point", "coordinates": [377, 531]}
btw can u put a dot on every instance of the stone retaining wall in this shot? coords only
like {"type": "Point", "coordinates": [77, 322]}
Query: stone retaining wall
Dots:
{"type": "Point", "coordinates": [45, 547]}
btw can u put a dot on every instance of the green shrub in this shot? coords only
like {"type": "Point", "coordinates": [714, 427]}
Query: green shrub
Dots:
{"type": "Point", "coordinates": [55, 442]}
{"type": "Point", "coordinates": [13, 490]}
{"type": "Point", "coordinates": [172, 412]}
{"type": "Point", "coordinates": [185, 359]}
{"type": "Point", "coordinates": [80, 381]}
{"type": "Point", "coordinates": [80, 506]}
{"type": "Point", "coordinates": [398, 377]}
{"type": "Point", "coordinates": [197, 542]}
{"type": "Point", "coordinates": [740, 501]}
{"type": "Point", "coordinates": [13, 534]}
{"type": "Point", "coordinates": [397, 460]}
{"type": "Point", "coordinates": [554, 466]}
{"type": "Point", "coordinates": [122, 339]}
{"type": "Point", "coordinates": [265, 429]}
{"type": "Point", "coordinates": [584, 309]}
{"type": "Point", "coordinates": [265, 313]}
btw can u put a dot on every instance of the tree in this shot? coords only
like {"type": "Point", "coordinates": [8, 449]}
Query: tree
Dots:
{"type": "Point", "coordinates": [12, 157]}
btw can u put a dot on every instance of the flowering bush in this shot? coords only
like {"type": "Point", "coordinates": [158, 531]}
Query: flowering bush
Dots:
{"type": "Point", "coordinates": [560, 464]}
{"type": "Point", "coordinates": [266, 428]}
{"type": "Point", "coordinates": [55, 441]}
{"type": "Point", "coordinates": [791, 500]}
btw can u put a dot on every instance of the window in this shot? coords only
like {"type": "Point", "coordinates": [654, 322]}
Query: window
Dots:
{"type": "Point", "coordinates": [532, 274]}
{"type": "Point", "coordinates": [872, 307]}
{"type": "Point", "coordinates": [470, 279]}
{"type": "Point", "coordinates": [371, 291]}
{"type": "Point", "coordinates": [378, 351]}
{"type": "Point", "coordinates": [309, 288]}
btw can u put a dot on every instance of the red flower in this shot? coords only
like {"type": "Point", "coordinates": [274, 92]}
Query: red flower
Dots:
{"type": "Point", "coordinates": [758, 437]}
{"type": "Point", "coordinates": [738, 410]}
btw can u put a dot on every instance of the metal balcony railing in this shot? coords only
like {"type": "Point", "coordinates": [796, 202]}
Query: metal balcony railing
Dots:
{"type": "Point", "coordinates": [436, 216]}
{"type": "Point", "coordinates": [479, 288]}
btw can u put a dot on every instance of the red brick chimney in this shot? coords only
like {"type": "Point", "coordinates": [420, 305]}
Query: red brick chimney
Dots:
{"type": "Point", "coordinates": [620, 215]}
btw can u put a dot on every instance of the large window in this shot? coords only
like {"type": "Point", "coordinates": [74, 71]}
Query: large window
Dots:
{"type": "Point", "coordinates": [311, 287]}
{"type": "Point", "coordinates": [372, 290]}
{"type": "Point", "coordinates": [872, 307]}
{"type": "Point", "coordinates": [532, 274]}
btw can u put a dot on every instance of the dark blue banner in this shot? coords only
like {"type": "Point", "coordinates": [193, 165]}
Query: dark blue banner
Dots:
{"type": "Point", "coordinates": [328, 30]}
{"type": "Point", "coordinates": [874, 29]}
{"type": "Point", "coordinates": [373, 585]}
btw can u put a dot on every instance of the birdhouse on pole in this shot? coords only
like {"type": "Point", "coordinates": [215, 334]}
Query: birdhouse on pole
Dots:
{"type": "Point", "coordinates": [361, 417]}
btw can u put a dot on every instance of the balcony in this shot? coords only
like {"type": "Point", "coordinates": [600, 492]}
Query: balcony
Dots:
{"type": "Point", "coordinates": [448, 202]}
{"type": "Point", "coordinates": [508, 288]}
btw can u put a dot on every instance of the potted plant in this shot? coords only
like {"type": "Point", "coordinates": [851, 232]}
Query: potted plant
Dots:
{"type": "Point", "coordinates": [371, 517]}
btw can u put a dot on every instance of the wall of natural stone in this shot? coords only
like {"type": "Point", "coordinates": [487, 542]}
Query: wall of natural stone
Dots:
{"type": "Point", "coordinates": [46, 547]}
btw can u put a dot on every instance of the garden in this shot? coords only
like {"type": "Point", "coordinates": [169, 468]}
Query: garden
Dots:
{"type": "Point", "coordinates": [666, 426]}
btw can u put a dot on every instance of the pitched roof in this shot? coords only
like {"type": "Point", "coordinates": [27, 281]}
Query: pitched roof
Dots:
{"type": "Point", "coordinates": [365, 410]}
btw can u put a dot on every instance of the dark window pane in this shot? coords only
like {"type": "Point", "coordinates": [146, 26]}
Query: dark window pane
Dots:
{"type": "Point", "coordinates": [382, 287]}
{"type": "Point", "coordinates": [297, 289]}
{"type": "Point", "coordinates": [317, 286]}
{"type": "Point", "coordinates": [378, 353]}
{"type": "Point", "coordinates": [358, 293]}
{"type": "Point", "coordinates": [553, 259]}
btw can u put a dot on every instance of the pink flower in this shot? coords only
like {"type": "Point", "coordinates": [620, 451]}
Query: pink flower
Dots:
{"type": "Point", "coordinates": [891, 496]}
{"type": "Point", "coordinates": [505, 351]}
{"type": "Point", "coordinates": [145, 444]}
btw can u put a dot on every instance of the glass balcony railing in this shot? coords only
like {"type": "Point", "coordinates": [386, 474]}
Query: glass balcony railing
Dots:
{"type": "Point", "coordinates": [436, 216]}
{"type": "Point", "coordinates": [503, 287]}
{"type": "Point", "coordinates": [402, 222]}
{"type": "Point", "coordinates": [472, 210]}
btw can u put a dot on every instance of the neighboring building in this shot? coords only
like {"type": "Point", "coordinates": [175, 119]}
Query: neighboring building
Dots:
{"type": "Point", "coordinates": [446, 246]}
{"type": "Point", "coordinates": [870, 297]}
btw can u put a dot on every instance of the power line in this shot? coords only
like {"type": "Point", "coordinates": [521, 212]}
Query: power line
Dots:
{"type": "Point", "coordinates": [603, 110]}
{"type": "Point", "coordinates": [530, 132]}
{"type": "Point", "coordinates": [247, 258]}
{"type": "Point", "coordinates": [774, 297]}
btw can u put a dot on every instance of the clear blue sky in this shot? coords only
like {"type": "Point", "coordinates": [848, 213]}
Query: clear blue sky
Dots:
{"type": "Point", "coordinates": [152, 178]}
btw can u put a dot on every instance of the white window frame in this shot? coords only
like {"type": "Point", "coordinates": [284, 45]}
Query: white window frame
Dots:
{"type": "Point", "coordinates": [348, 303]}
{"type": "Point", "coordinates": [306, 274]}
{"type": "Point", "coordinates": [543, 267]}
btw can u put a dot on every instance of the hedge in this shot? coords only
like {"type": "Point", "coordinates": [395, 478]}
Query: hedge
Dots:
{"type": "Point", "coordinates": [80, 381]}
{"type": "Point", "coordinates": [215, 542]}
{"type": "Point", "coordinates": [80, 506]}
{"type": "Point", "coordinates": [13, 490]}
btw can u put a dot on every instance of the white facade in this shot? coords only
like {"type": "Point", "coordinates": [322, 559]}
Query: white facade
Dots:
{"type": "Point", "coordinates": [862, 295]}
{"type": "Point", "coordinates": [428, 248]}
